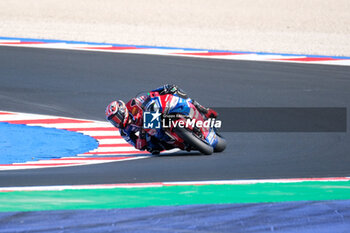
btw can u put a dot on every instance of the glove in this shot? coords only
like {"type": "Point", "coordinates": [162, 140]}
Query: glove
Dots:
{"type": "Point", "coordinates": [168, 89]}
{"type": "Point", "coordinates": [172, 88]}
{"type": "Point", "coordinates": [211, 113]}
{"type": "Point", "coordinates": [141, 144]}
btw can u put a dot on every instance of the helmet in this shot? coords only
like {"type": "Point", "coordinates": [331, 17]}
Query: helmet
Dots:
{"type": "Point", "coordinates": [117, 114]}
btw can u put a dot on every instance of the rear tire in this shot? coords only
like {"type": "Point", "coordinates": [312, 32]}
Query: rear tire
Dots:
{"type": "Point", "coordinates": [221, 145]}
{"type": "Point", "coordinates": [194, 141]}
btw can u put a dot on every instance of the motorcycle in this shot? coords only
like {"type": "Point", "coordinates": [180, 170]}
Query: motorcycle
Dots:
{"type": "Point", "coordinates": [182, 125]}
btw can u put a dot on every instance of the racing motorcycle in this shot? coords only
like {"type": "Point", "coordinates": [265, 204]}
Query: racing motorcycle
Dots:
{"type": "Point", "coordinates": [182, 126]}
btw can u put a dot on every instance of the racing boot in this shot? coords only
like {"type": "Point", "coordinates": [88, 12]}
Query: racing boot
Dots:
{"type": "Point", "coordinates": [208, 112]}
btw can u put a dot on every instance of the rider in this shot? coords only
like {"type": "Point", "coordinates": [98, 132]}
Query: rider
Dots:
{"type": "Point", "coordinates": [129, 118]}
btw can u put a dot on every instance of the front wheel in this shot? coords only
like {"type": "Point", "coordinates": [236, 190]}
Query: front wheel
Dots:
{"type": "Point", "coordinates": [194, 140]}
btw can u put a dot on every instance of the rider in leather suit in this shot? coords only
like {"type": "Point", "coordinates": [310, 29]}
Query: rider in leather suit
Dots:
{"type": "Point", "coordinates": [129, 119]}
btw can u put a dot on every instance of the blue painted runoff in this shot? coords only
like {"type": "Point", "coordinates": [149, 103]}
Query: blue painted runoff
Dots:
{"type": "Point", "coordinates": [22, 143]}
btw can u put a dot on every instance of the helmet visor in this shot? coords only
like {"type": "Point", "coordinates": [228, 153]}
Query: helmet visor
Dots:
{"type": "Point", "coordinates": [118, 119]}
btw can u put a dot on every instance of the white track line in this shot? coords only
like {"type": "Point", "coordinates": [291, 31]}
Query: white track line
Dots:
{"type": "Point", "coordinates": [165, 184]}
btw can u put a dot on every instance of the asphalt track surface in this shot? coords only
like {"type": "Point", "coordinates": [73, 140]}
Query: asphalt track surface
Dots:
{"type": "Point", "coordinates": [80, 84]}
{"type": "Point", "coordinates": [310, 217]}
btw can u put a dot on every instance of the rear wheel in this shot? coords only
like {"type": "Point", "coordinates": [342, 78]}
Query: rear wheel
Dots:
{"type": "Point", "coordinates": [194, 141]}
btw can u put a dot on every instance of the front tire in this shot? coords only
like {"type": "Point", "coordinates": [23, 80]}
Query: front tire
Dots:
{"type": "Point", "coordinates": [194, 141]}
